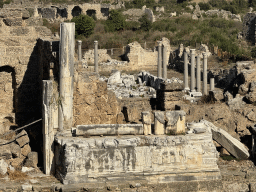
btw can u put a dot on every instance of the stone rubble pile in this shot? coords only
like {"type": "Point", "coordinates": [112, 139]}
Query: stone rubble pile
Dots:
{"type": "Point", "coordinates": [16, 154]}
{"type": "Point", "coordinates": [141, 85]}
{"type": "Point", "coordinates": [114, 62]}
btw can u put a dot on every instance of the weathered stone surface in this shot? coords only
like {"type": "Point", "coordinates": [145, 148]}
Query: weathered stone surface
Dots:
{"type": "Point", "coordinates": [22, 138]}
{"type": "Point", "coordinates": [25, 150]}
{"type": "Point", "coordinates": [110, 129]}
{"type": "Point", "coordinates": [17, 162]}
{"type": "Point", "coordinates": [232, 145]}
{"type": "Point", "coordinates": [115, 78]}
{"type": "Point", "coordinates": [251, 97]}
{"type": "Point", "coordinates": [216, 95]}
{"type": "Point", "coordinates": [146, 120]}
{"type": "Point", "coordinates": [159, 123]}
{"type": "Point", "coordinates": [13, 21]}
{"type": "Point", "coordinates": [157, 158]}
{"type": "Point", "coordinates": [32, 160]}
{"type": "Point", "coordinates": [3, 167]}
{"type": "Point", "coordinates": [175, 122]}
{"type": "Point", "coordinates": [15, 150]}
{"type": "Point", "coordinates": [236, 103]}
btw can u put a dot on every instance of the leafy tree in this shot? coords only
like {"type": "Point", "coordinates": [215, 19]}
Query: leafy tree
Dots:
{"type": "Point", "coordinates": [115, 22]}
{"type": "Point", "coordinates": [146, 24]}
{"type": "Point", "coordinates": [84, 25]}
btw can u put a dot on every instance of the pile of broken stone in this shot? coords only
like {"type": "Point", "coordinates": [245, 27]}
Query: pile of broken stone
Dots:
{"type": "Point", "coordinates": [141, 85]}
{"type": "Point", "coordinates": [16, 155]}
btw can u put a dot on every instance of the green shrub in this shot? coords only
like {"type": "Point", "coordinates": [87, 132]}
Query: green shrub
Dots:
{"type": "Point", "coordinates": [253, 52]}
{"type": "Point", "coordinates": [146, 24]}
{"type": "Point", "coordinates": [84, 25]}
{"type": "Point", "coordinates": [115, 22]}
{"type": "Point", "coordinates": [164, 25]}
{"type": "Point", "coordinates": [132, 25]}
{"type": "Point", "coordinates": [4, 2]}
{"type": "Point", "coordinates": [204, 6]}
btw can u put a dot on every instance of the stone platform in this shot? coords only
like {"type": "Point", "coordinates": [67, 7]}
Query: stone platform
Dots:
{"type": "Point", "coordinates": [154, 159]}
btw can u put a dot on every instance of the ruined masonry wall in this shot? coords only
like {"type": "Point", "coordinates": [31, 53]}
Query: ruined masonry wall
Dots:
{"type": "Point", "coordinates": [19, 71]}
{"type": "Point", "coordinates": [93, 103]}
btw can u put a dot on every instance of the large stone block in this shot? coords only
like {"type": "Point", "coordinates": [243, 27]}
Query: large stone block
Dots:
{"type": "Point", "coordinates": [155, 159]}
{"type": "Point", "coordinates": [232, 145]}
{"type": "Point", "coordinates": [22, 138]}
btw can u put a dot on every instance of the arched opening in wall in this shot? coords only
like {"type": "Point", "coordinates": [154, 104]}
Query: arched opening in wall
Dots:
{"type": "Point", "coordinates": [105, 12]}
{"type": "Point", "coordinates": [76, 11]}
{"type": "Point", "coordinates": [91, 12]}
{"type": "Point", "coordinates": [62, 12]}
{"type": "Point", "coordinates": [8, 98]}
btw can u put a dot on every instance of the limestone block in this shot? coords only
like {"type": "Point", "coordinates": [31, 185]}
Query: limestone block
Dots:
{"type": "Point", "coordinates": [15, 150]}
{"type": "Point", "coordinates": [17, 162]}
{"type": "Point", "coordinates": [5, 151]}
{"type": "Point", "coordinates": [115, 78]}
{"type": "Point", "coordinates": [110, 129]}
{"type": "Point", "coordinates": [25, 150]}
{"type": "Point", "coordinates": [3, 167]}
{"type": "Point", "coordinates": [159, 123]}
{"type": "Point", "coordinates": [146, 120]}
{"type": "Point", "coordinates": [32, 160]}
{"type": "Point", "coordinates": [175, 122]}
{"type": "Point", "coordinates": [216, 95]}
{"type": "Point", "coordinates": [157, 158]}
{"type": "Point", "coordinates": [232, 145]}
{"type": "Point", "coordinates": [22, 138]}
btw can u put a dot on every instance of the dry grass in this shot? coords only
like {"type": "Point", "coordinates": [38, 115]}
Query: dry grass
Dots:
{"type": "Point", "coordinates": [17, 175]}
{"type": "Point", "coordinates": [206, 99]}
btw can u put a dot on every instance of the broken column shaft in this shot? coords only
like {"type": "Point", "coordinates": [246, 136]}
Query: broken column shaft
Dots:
{"type": "Point", "coordinates": [198, 74]}
{"type": "Point", "coordinates": [79, 43]}
{"type": "Point", "coordinates": [192, 75]}
{"type": "Point", "coordinates": [96, 68]}
{"type": "Point", "coordinates": [186, 71]}
{"type": "Point", "coordinates": [204, 74]}
{"type": "Point", "coordinates": [159, 63]}
{"type": "Point", "coordinates": [211, 84]}
{"type": "Point", "coordinates": [48, 132]}
{"type": "Point", "coordinates": [67, 50]}
{"type": "Point", "coordinates": [165, 62]}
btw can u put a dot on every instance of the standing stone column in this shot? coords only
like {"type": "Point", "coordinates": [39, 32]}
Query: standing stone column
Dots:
{"type": "Point", "coordinates": [198, 74]}
{"type": "Point", "coordinates": [159, 63]}
{"type": "Point", "coordinates": [165, 62]}
{"type": "Point", "coordinates": [159, 123]}
{"type": "Point", "coordinates": [79, 42]}
{"type": "Point", "coordinates": [96, 68]}
{"type": "Point", "coordinates": [146, 120]}
{"type": "Point", "coordinates": [192, 75]}
{"type": "Point", "coordinates": [67, 50]}
{"type": "Point", "coordinates": [204, 74]}
{"type": "Point", "coordinates": [186, 71]}
{"type": "Point", "coordinates": [211, 84]}
{"type": "Point", "coordinates": [48, 133]}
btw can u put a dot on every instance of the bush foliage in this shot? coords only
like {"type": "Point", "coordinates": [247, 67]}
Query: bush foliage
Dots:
{"type": "Point", "coordinates": [116, 21]}
{"type": "Point", "coordinates": [84, 25]}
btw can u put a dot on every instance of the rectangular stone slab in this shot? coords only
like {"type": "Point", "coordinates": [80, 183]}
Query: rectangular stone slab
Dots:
{"type": "Point", "coordinates": [109, 129]}
{"type": "Point", "coordinates": [155, 159]}
{"type": "Point", "coordinates": [232, 145]}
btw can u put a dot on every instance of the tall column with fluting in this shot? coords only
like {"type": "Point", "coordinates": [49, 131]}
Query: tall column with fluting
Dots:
{"type": "Point", "coordinates": [204, 74]}
{"type": "Point", "coordinates": [96, 68]}
{"type": "Point", "coordinates": [186, 71]}
{"type": "Point", "coordinates": [198, 74]}
{"type": "Point", "coordinates": [165, 62]}
{"type": "Point", "coordinates": [159, 61]}
{"type": "Point", "coordinates": [79, 47]}
{"type": "Point", "coordinates": [192, 75]}
{"type": "Point", "coordinates": [66, 62]}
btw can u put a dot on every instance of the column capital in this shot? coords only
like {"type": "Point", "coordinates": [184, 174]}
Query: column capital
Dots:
{"type": "Point", "coordinates": [95, 42]}
{"type": "Point", "coordinates": [193, 51]}
{"type": "Point", "coordinates": [79, 41]}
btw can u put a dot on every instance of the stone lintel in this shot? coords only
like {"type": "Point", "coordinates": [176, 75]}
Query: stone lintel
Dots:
{"type": "Point", "coordinates": [109, 129]}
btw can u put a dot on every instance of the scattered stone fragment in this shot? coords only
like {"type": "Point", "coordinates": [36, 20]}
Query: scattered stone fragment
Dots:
{"type": "Point", "coordinates": [3, 167]}
{"type": "Point", "coordinates": [25, 150]}
{"type": "Point", "coordinates": [22, 138]}
{"type": "Point", "coordinates": [32, 160]}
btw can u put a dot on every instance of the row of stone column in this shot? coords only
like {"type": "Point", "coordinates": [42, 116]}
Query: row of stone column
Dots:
{"type": "Point", "coordinates": [195, 84]}
{"type": "Point", "coordinates": [79, 51]}
{"type": "Point", "coordinates": [162, 61]}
